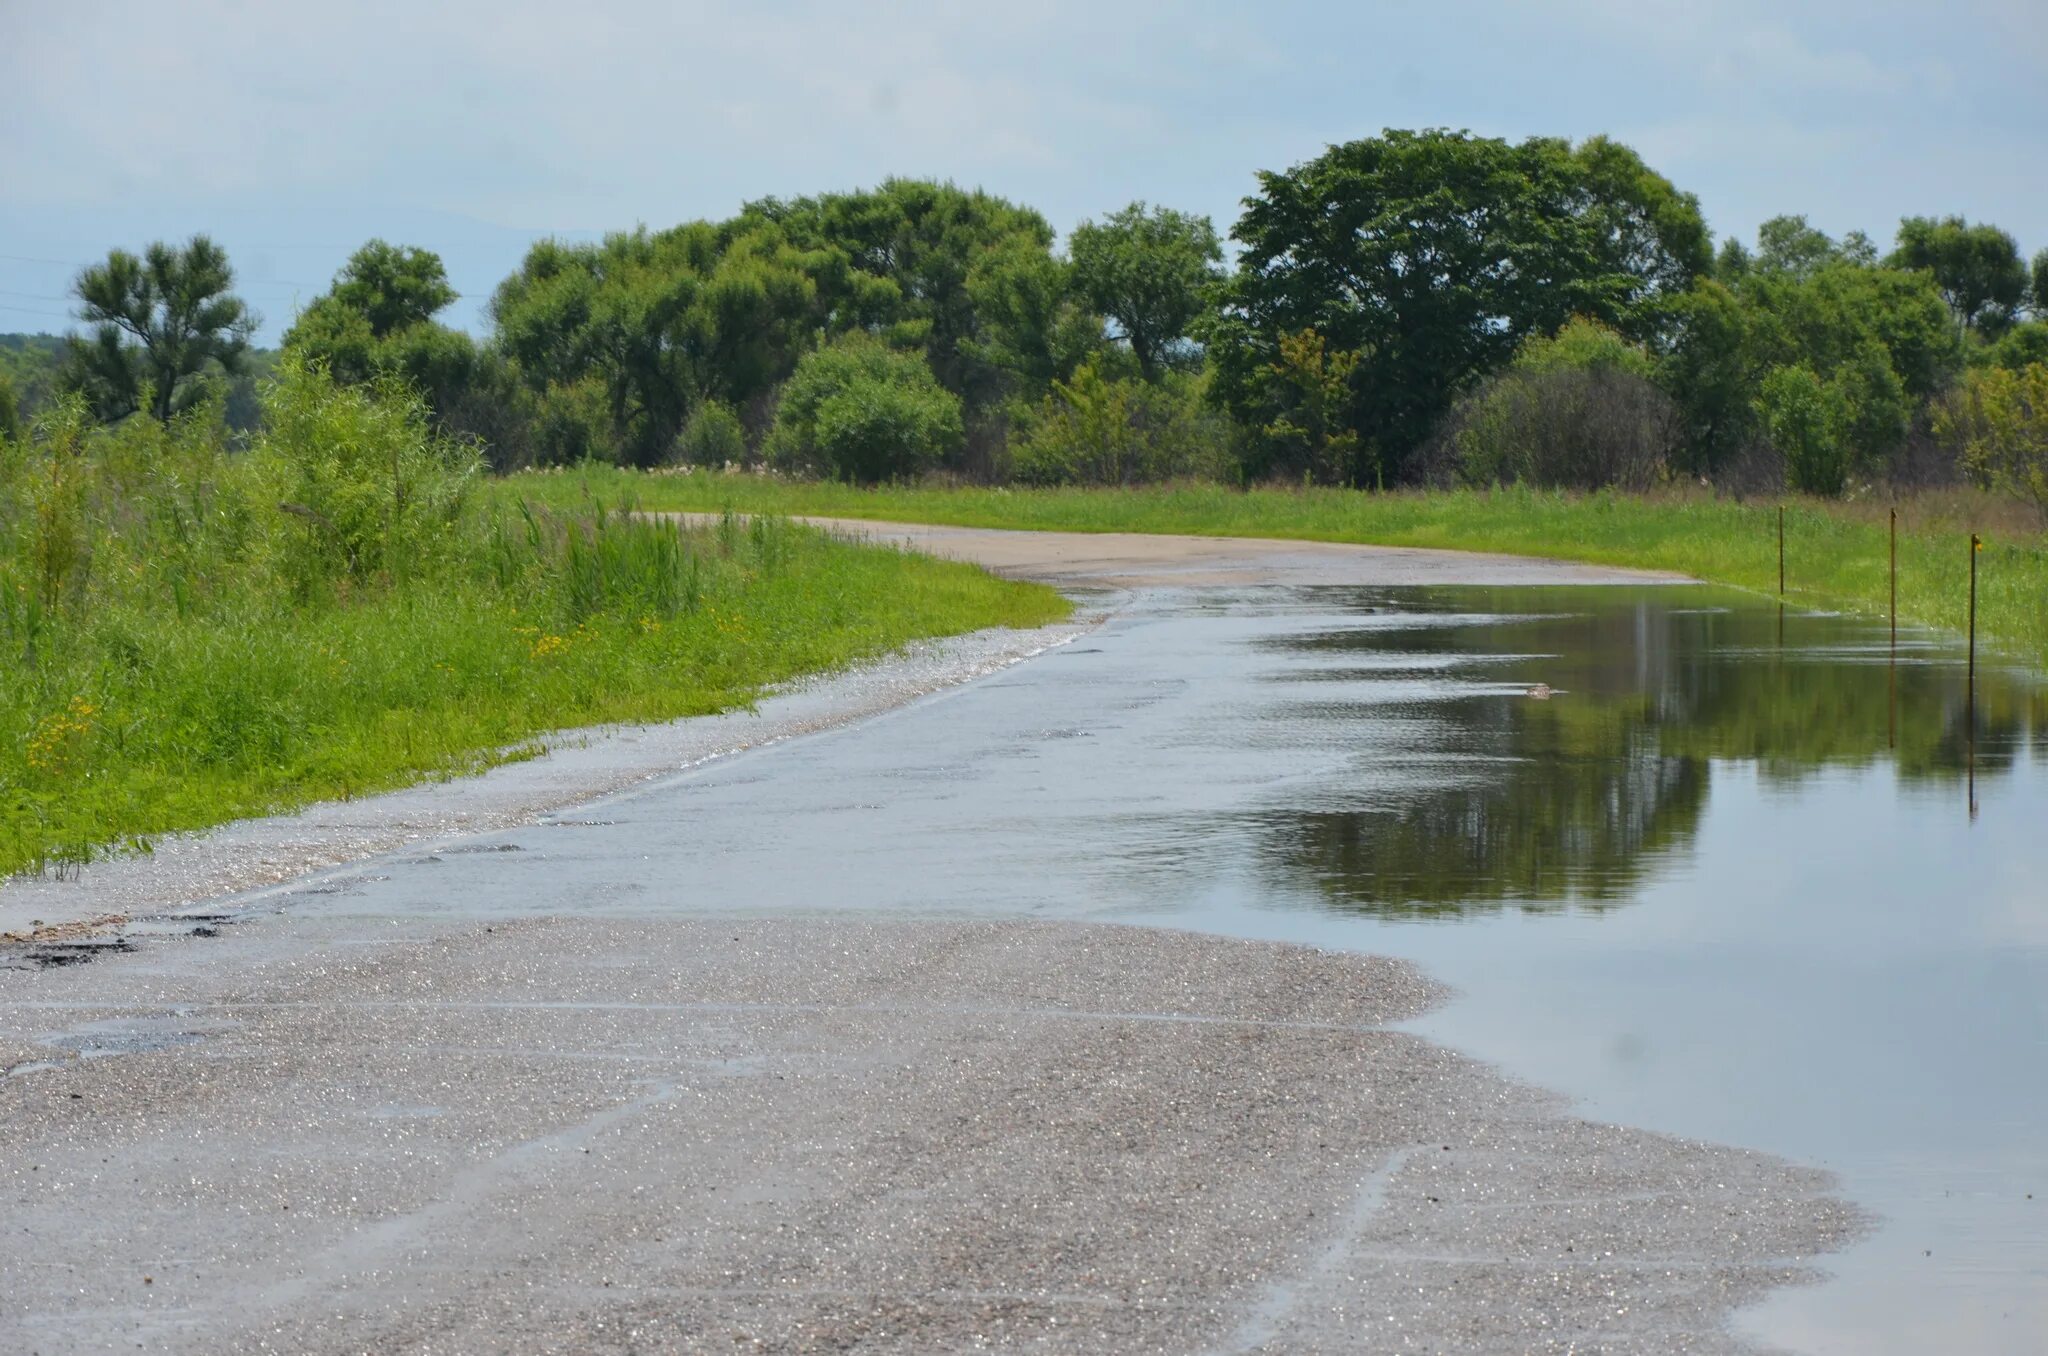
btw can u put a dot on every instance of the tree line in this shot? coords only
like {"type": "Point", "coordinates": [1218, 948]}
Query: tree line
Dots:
{"type": "Point", "coordinates": [1420, 307]}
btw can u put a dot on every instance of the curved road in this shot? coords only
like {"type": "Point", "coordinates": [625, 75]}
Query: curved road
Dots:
{"type": "Point", "coordinates": [680, 1069]}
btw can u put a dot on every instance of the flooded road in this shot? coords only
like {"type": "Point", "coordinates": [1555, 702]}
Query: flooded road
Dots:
{"type": "Point", "coordinates": [1696, 887]}
{"type": "Point", "coordinates": [1703, 868]}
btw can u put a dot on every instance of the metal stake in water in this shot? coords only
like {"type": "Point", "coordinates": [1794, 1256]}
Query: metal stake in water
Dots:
{"type": "Point", "coordinates": [1781, 576]}
{"type": "Point", "coordinates": [1970, 690]}
{"type": "Point", "coordinates": [1781, 550]}
{"type": "Point", "coordinates": [1892, 699]}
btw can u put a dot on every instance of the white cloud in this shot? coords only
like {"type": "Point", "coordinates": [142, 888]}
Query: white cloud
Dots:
{"type": "Point", "coordinates": [318, 120]}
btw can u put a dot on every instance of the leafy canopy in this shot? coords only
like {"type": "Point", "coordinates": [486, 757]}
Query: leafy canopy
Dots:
{"type": "Point", "coordinates": [161, 323]}
{"type": "Point", "coordinates": [377, 322]}
{"type": "Point", "coordinates": [635, 331]}
{"type": "Point", "coordinates": [1148, 270]}
{"type": "Point", "coordinates": [910, 248]}
{"type": "Point", "coordinates": [1978, 267]}
{"type": "Point", "coordinates": [862, 411]}
{"type": "Point", "coordinates": [1432, 255]}
{"type": "Point", "coordinates": [1884, 338]}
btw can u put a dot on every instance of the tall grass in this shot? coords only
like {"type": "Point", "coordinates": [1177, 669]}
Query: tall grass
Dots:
{"type": "Point", "coordinates": [1836, 553]}
{"type": "Point", "coordinates": [190, 635]}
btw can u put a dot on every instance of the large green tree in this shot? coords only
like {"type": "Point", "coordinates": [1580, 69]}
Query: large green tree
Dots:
{"type": "Point", "coordinates": [634, 332]}
{"type": "Point", "coordinates": [1977, 266]}
{"type": "Point", "coordinates": [1148, 270]}
{"type": "Point", "coordinates": [161, 322]}
{"type": "Point", "coordinates": [913, 247]}
{"type": "Point", "coordinates": [378, 321]}
{"type": "Point", "coordinates": [1788, 245]}
{"type": "Point", "coordinates": [1431, 255]}
{"type": "Point", "coordinates": [1880, 339]}
{"type": "Point", "coordinates": [1030, 326]}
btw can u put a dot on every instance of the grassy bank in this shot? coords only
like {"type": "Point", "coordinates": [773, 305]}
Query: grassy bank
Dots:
{"type": "Point", "coordinates": [1836, 554]}
{"type": "Point", "coordinates": [189, 636]}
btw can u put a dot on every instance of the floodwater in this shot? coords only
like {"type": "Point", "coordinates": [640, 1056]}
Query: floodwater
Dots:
{"type": "Point", "coordinates": [1727, 873]}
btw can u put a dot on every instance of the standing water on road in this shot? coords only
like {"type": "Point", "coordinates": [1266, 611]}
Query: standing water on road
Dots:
{"type": "Point", "coordinates": [1706, 867]}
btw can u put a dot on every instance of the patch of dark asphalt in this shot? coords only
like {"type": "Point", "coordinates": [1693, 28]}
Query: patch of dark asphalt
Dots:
{"type": "Point", "coordinates": [828, 1134]}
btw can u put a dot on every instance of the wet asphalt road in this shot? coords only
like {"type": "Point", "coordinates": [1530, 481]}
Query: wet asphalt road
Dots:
{"type": "Point", "coordinates": [589, 1087]}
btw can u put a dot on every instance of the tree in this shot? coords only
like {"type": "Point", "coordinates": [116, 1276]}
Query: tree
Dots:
{"type": "Point", "coordinates": [1148, 271]}
{"type": "Point", "coordinates": [1733, 261]}
{"type": "Point", "coordinates": [10, 411]}
{"type": "Point", "coordinates": [160, 323]}
{"type": "Point", "coordinates": [1788, 246]}
{"type": "Point", "coordinates": [1432, 255]}
{"type": "Point", "coordinates": [1308, 388]}
{"type": "Point", "coordinates": [1978, 268]}
{"type": "Point", "coordinates": [1997, 422]}
{"type": "Point", "coordinates": [865, 412]}
{"type": "Point", "coordinates": [393, 287]}
{"type": "Point", "coordinates": [2039, 293]}
{"type": "Point", "coordinates": [2020, 346]}
{"type": "Point", "coordinates": [1804, 417]}
{"type": "Point", "coordinates": [1882, 339]}
{"type": "Point", "coordinates": [377, 321]}
{"type": "Point", "coordinates": [625, 337]}
{"type": "Point", "coordinates": [910, 248]}
{"type": "Point", "coordinates": [1031, 328]}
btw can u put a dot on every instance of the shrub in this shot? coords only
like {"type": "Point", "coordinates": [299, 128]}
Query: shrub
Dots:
{"type": "Point", "coordinates": [374, 489]}
{"type": "Point", "coordinates": [1576, 410]}
{"type": "Point", "coordinates": [861, 411]}
{"type": "Point", "coordinates": [712, 436]}
{"type": "Point", "coordinates": [1996, 421]}
{"type": "Point", "coordinates": [10, 411]}
{"type": "Point", "coordinates": [1807, 421]}
{"type": "Point", "coordinates": [1098, 430]}
{"type": "Point", "coordinates": [572, 422]}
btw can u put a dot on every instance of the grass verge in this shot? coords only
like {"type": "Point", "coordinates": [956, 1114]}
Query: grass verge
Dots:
{"type": "Point", "coordinates": [1836, 554]}
{"type": "Point", "coordinates": [190, 635]}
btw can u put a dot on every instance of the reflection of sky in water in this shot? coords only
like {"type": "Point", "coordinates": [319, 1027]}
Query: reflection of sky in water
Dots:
{"type": "Point", "coordinates": [1786, 935]}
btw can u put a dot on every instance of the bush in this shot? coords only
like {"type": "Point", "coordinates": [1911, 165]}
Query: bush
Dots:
{"type": "Point", "coordinates": [861, 411]}
{"type": "Point", "coordinates": [712, 436]}
{"type": "Point", "coordinates": [2020, 346]}
{"type": "Point", "coordinates": [572, 422]}
{"type": "Point", "coordinates": [1807, 421]}
{"type": "Point", "coordinates": [1096, 430]}
{"type": "Point", "coordinates": [1996, 421]}
{"type": "Point", "coordinates": [10, 410]}
{"type": "Point", "coordinates": [1576, 410]}
{"type": "Point", "coordinates": [374, 489]}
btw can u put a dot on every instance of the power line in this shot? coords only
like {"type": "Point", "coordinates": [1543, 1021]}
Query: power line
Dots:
{"type": "Point", "coordinates": [30, 310]}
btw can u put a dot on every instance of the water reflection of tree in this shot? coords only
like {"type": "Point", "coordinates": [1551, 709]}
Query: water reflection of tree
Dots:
{"type": "Point", "coordinates": [1575, 814]}
{"type": "Point", "coordinates": [1587, 791]}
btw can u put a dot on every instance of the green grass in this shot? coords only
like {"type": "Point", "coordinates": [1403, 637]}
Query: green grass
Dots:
{"type": "Point", "coordinates": [217, 720]}
{"type": "Point", "coordinates": [189, 636]}
{"type": "Point", "coordinates": [1836, 554]}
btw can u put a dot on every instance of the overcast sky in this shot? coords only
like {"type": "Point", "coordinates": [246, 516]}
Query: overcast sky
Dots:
{"type": "Point", "coordinates": [292, 132]}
